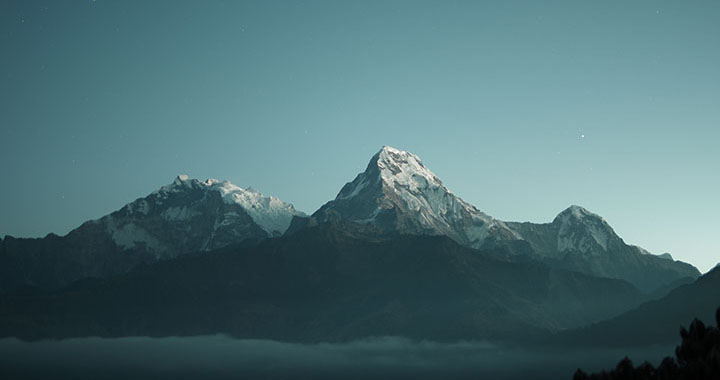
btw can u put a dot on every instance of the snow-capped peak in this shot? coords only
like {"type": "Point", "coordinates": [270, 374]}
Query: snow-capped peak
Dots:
{"type": "Point", "coordinates": [581, 229]}
{"type": "Point", "coordinates": [181, 180]}
{"type": "Point", "coordinates": [577, 212]}
{"type": "Point", "coordinates": [270, 213]}
{"type": "Point", "coordinates": [405, 169]}
{"type": "Point", "coordinates": [398, 192]}
{"type": "Point", "coordinates": [212, 181]}
{"type": "Point", "coordinates": [393, 169]}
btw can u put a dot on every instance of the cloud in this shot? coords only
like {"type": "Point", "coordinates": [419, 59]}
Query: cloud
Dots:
{"type": "Point", "coordinates": [221, 357]}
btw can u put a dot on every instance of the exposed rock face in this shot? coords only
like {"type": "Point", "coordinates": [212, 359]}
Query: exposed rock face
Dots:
{"type": "Point", "coordinates": [189, 216]}
{"type": "Point", "coordinates": [395, 194]}
{"type": "Point", "coordinates": [185, 216]}
{"type": "Point", "coordinates": [330, 282]}
{"type": "Point", "coordinates": [396, 253]}
{"type": "Point", "coordinates": [398, 193]}
{"type": "Point", "coordinates": [582, 241]}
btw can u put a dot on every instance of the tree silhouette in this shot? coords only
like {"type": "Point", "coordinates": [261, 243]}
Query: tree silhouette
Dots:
{"type": "Point", "coordinates": [697, 357]}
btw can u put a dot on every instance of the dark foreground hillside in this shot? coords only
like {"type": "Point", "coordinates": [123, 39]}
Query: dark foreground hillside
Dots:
{"type": "Point", "coordinates": [654, 322]}
{"type": "Point", "coordinates": [325, 283]}
{"type": "Point", "coordinates": [696, 358]}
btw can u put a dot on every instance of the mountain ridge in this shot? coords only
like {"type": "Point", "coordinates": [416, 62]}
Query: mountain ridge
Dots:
{"type": "Point", "coordinates": [398, 192]}
{"type": "Point", "coordinates": [654, 322]}
{"type": "Point", "coordinates": [185, 216]}
{"type": "Point", "coordinates": [395, 193]}
{"type": "Point", "coordinates": [580, 240]}
{"type": "Point", "coordinates": [329, 282]}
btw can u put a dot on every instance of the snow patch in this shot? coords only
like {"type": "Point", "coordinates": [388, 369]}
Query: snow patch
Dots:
{"type": "Point", "coordinates": [580, 230]}
{"type": "Point", "coordinates": [270, 213]}
{"type": "Point", "coordinates": [130, 236]}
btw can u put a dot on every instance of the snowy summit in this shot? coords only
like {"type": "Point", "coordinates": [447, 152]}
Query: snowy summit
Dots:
{"type": "Point", "coordinates": [397, 192]}
{"type": "Point", "coordinates": [270, 213]}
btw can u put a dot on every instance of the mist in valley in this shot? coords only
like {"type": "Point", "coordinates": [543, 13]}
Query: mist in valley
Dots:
{"type": "Point", "coordinates": [221, 357]}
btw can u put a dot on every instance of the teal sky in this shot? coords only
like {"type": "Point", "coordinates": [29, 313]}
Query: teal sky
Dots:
{"type": "Point", "coordinates": [102, 102]}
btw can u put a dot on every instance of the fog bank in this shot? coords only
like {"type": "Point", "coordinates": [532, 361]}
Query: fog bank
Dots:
{"type": "Point", "coordinates": [220, 357]}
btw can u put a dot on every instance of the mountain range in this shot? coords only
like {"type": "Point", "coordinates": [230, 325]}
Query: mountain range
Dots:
{"type": "Point", "coordinates": [397, 192]}
{"type": "Point", "coordinates": [395, 253]}
{"type": "Point", "coordinates": [657, 321]}
{"type": "Point", "coordinates": [185, 216]}
{"type": "Point", "coordinates": [330, 282]}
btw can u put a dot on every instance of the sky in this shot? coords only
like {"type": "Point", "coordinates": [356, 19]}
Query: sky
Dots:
{"type": "Point", "coordinates": [522, 108]}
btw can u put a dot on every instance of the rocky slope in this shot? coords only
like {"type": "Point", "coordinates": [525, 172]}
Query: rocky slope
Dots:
{"type": "Point", "coordinates": [397, 192]}
{"type": "Point", "coordinates": [582, 241]}
{"type": "Point", "coordinates": [655, 322]}
{"type": "Point", "coordinates": [330, 282]}
{"type": "Point", "coordinates": [186, 216]}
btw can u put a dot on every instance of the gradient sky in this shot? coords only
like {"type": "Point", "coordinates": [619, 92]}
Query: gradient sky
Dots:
{"type": "Point", "coordinates": [102, 102]}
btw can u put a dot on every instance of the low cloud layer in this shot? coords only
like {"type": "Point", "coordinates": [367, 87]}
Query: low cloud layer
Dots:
{"type": "Point", "coordinates": [221, 357]}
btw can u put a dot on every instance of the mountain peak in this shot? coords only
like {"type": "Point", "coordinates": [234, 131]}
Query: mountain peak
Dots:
{"type": "Point", "coordinates": [390, 155]}
{"type": "Point", "coordinates": [576, 212]}
{"type": "Point", "coordinates": [399, 168]}
{"type": "Point", "coordinates": [397, 192]}
{"type": "Point", "coordinates": [582, 230]}
{"type": "Point", "coordinates": [665, 255]}
{"type": "Point", "coordinates": [181, 180]}
{"type": "Point", "coordinates": [212, 181]}
{"type": "Point", "coordinates": [269, 212]}
{"type": "Point", "coordinates": [388, 148]}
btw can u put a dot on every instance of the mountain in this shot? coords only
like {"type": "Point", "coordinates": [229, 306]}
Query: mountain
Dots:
{"type": "Point", "coordinates": [395, 253]}
{"type": "Point", "coordinates": [580, 240]}
{"type": "Point", "coordinates": [396, 192]}
{"type": "Point", "coordinates": [328, 282]}
{"type": "Point", "coordinates": [185, 216]}
{"type": "Point", "coordinates": [655, 322]}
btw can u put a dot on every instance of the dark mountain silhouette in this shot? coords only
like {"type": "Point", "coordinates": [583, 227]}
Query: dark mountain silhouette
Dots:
{"type": "Point", "coordinates": [332, 281]}
{"type": "Point", "coordinates": [696, 358]}
{"type": "Point", "coordinates": [657, 321]}
{"type": "Point", "coordinates": [395, 253]}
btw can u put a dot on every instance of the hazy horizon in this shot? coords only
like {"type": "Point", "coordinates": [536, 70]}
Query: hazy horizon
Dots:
{"type": "Point", "coordinates": [216, 357]}
{"type": "Point", "coordinates": [521, 108]}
